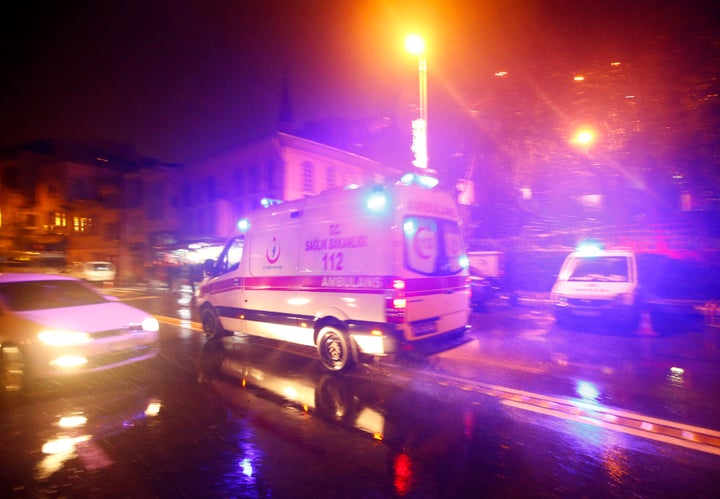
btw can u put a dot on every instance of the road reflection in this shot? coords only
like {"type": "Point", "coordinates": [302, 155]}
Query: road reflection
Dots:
{"type": "Point", "coordinates": [350, 402]}
{"type": "Point", "coordinates": [411, 434]}
{"type": "Point", "coordinates": [53, 435]}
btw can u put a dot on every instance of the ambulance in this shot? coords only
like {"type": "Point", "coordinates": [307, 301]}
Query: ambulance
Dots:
{"type": "Point", "coordinates": [354, 273]}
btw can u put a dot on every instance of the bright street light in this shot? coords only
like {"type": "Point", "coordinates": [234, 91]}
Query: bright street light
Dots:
{"type": "Point", "coordinates": [416, 45]}
{"type": "Point", "coordinates": [585, 137]}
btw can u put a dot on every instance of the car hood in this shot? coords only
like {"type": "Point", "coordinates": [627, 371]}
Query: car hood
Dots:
{"type": "Point", "coordinates": [87, 318]}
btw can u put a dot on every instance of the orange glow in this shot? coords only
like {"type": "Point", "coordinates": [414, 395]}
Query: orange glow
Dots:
{"type": "Point", "coordinates": [579, 78]}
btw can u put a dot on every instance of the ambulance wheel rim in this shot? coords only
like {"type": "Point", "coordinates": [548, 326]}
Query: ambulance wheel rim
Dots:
{"type": "Point", "coordinates": [211, 324]}
{"type": "Point", "coordinates": [334, 349]}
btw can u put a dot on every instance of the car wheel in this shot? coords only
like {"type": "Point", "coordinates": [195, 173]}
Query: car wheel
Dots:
{"type": "Point", "coordinates": [334, 349]}
{"type": "Point", "coordinates": [211, 325]}
{"type": "Point", "coordinates": [13, 369]}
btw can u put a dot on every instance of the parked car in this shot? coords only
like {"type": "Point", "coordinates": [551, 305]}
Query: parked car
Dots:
{"type": "Point", "coordinates": [483, 288]}
{"type": "Point", "coordinates": [96, 271]}
{"type": "Point", "coordinates": [52, 325]}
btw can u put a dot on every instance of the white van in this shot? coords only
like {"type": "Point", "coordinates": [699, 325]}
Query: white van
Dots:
{"type": "Point", "coordinates": [354, 273]}
{"type": "Point", "coordinates": [597, 283]}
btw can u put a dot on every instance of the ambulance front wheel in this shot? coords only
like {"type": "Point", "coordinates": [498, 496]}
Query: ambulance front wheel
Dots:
{"type": "Point", "coordinates": [211, 324]}
{"type": "Point", "coordinates": [334, 349]}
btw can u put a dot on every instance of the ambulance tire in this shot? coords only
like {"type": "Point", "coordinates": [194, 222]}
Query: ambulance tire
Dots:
{"type": "Point", "coordinates": [211, 326]}
{"type": "Point", "coordinates": [334, 349]}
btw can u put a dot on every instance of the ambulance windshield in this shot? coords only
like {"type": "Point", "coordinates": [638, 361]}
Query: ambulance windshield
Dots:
{"type": "Point", "coordinates": [600, 268]}
{"type": "Point", "coordinates": [433, 246]}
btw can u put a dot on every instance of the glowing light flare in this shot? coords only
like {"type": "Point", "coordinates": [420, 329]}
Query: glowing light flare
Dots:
{"type": "Point", "coordinates": [415, 44]}
{"type": "Point", "coordinates": [69, 361]}
{"type": "Point", "coordinates": [588, 391]}
{"type": "Point", "coordinates": [243, 225]}
{"type": "Point", "coordinates": [585, 137]}
{"type": "Point", "coordinates": [589, 248]}
{"type": "Point", "coordinates": [151, 324]}
{"type": "Point", "coordinates": [64, 338]}
{"type": "Point", "coordinates": [153, 408]}
{"type": "Point", "coordinates": [63, 445]}
{"type": "Point", "coordinates": [377, 202]}
{"type": "Point", "coordinates": [74, 421]}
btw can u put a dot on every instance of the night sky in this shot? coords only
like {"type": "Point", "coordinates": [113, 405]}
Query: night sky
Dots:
{"type": "Point", "coordinates": [181, 79]}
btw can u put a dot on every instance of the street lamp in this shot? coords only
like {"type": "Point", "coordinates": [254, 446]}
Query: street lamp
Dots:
{"type": "Point", "coordinates": [416, 45]}
{"type": "Point", "coordinates": [584, 138]}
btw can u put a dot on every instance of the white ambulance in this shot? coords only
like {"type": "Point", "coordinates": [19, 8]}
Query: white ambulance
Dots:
{"type": "Point", "coordinates": [598, 283]}
{"type": "Point", "coordinates": [355, 273]}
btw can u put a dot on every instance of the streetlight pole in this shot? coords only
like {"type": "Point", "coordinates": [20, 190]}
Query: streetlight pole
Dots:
{"type": "Point", "coordinates": [416, 45]}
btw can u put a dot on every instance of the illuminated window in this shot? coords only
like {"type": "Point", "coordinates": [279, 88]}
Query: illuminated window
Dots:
{"type": "Point", "coordinates": [83, 225]}
{"type": "Point", "coordinates": [59, 219]}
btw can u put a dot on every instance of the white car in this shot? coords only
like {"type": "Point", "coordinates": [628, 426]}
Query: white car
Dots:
{"type": "Point", "coordinates": [52, 325]}
{"type": "Point", "coordinates": [98, 272]}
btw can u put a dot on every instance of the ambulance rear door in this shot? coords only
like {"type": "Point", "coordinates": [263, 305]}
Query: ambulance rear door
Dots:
{"type": "Point", "coordinates": [436, 283]}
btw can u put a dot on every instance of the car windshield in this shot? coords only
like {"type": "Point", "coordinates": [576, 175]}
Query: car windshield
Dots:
{"type": "Point", "coordinates": [36, 295]}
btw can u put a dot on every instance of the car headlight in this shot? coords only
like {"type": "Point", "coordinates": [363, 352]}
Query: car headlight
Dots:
{"type": "Point", "coordinates": [64, 338]}
{"type": "Point", "coordinates": [150, 325]}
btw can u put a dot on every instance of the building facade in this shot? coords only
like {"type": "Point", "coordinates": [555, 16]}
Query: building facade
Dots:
{"type": "Point", "coordinates": [220, 190]}
{"type": "Point", "coordinates": [87, 205]}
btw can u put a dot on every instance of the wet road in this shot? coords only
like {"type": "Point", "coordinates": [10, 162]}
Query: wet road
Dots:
{"type": "Point", "coordinates": [525, 409]}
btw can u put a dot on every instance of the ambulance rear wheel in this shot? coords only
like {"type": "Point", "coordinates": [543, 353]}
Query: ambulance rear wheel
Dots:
{"type": "Point", "coordinates": [334, 349]}
{"type": "Point", "coordinates": [211, 324]}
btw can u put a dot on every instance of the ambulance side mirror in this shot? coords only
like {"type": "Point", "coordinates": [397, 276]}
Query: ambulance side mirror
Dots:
{"type": "Point", "coordinates": [209, 267]}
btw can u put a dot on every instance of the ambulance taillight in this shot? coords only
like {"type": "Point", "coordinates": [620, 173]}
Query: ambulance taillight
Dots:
{"type": "Point", "coordinates": [396, 303]}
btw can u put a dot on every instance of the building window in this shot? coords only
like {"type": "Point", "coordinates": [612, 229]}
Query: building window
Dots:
{"type": "Point", "coordinates": [211, 189]}
{"type": "Point", "coordinates": [155, 207]}
{"type": "Point", "coordinates": [308, 177]}
{"type": "Point", "coordinates": [254, 180]}
{"type": "Point", "coordinates": [238, 182]}
{"type": "Point", "coordinates": [58, 219]}
{"type": "Point", "coordinates": [330, 177]}
{"type": "Point", "coordinates": [83, 225]}
{"type": "Point", "coordinates": [271, 172]}
{"type": "Point", "coordinates": [186, 195]}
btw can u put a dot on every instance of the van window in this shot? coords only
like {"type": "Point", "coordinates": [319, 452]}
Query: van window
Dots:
{"type": "Point", "coordinates": [229, 259]}
{"type": "Point", "coordinates": [433, 246]}
{"type": "Point", "coordinates": [600, 268]}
